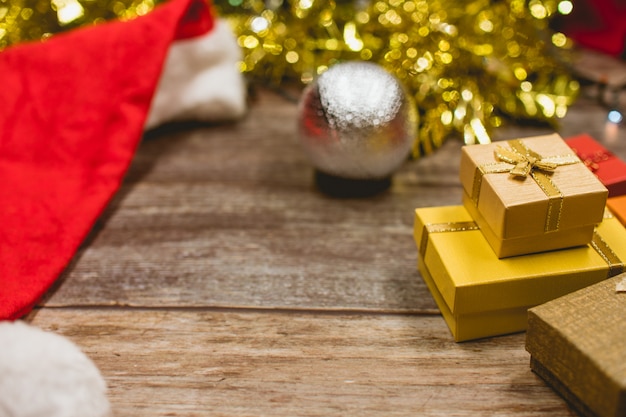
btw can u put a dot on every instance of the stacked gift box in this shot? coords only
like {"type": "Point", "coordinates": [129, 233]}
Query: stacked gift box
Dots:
{"type": "Point", "coordinates": [609, 169]}
{"type": "Point", "coordinates": [533, 227]}
{"type": "Point", "coordinates": [577, 345]}
{"type": "Point", "coordinates": [617, 205]}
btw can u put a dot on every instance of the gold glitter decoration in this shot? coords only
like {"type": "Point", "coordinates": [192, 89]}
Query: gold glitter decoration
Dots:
{"type": "Point", "coordinates": [469, 65]}
{"type": "Point", "coordinates": [29, 20]}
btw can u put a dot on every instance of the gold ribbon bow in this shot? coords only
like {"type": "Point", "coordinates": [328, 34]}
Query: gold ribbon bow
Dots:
{"type": "Point", "coordinates": [527, 162]}
{"type": "Point", "coordinates": [523, 163]}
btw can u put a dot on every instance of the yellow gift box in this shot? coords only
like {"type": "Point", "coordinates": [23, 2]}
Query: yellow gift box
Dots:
{"type": "Point", "coordinates": [480, 295]}
{"type": "Point", "coordinates": [531, 195]}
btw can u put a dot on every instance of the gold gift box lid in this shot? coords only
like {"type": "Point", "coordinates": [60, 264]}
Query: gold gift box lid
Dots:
{"type": "Point", "coordinates": [558, 192]}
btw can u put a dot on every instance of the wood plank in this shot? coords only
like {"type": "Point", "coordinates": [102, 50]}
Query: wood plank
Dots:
{"type": "Point", "coordinates": [292, 250]}
{"type": "Point", "coordinates": [228, 216]}
{"type": "Point", "coordinates": [225, 363]}
{"type": "Point", "coordinates": [271, 269]}
{"type": "Point", "coordinates": [214, 217]}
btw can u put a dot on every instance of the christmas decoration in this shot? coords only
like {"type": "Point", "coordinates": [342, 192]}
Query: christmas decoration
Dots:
{"type": "Point", "coordinates": [469, 65]}
{"type": "Point", "coordinates": [531, 195]}
{"type": "Point", "coordinates": [595, 24]}
{"type": "Point", "coordinates": [617, 205]}
{"type": "Point", "coordinates": [577, 344]}
{"type": "Point", "coordinates": [28, 20]}
{"type": "Point", "coordinates": [356, 121]}
{"type": "Point", "coordinates": [200, 80]}
{"type": "Point", "coordinates": [480, 295]}
{"type": "Point", "coordinates": [605, 165]}
{"type": "Point", "coordinates": [74, 111]}
{"type": "Point", "coordinates": [46, 375]}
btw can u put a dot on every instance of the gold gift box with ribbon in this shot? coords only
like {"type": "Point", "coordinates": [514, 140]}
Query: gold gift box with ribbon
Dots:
{"type": "Point", "coordinates": [531, 195]}
{"type": "Point", "coordinates": [480, 295]}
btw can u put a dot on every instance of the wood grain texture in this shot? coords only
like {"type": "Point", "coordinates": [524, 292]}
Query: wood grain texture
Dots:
{"type": "Point", "coordinates": [225, 363]}
{"type": "Point", "coordinates": [229, 215]}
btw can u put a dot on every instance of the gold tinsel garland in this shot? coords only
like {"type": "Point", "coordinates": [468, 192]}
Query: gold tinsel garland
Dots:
{"type": "Point", "coordinates": [467, 64]}
{"type": "Point", "coordinates": [28, 20]}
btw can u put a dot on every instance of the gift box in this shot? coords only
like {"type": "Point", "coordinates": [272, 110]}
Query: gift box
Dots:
{"type": "Point", "coordinates": [531, 195]}
{"type": "Point", "coordinates": [609, 169]}
{"type": "Point", "coordinates": [480, 295]}
{"type": "Point", "coordinates": [577, 345]}
{"type": "Point", "coordinates": [618, 207]}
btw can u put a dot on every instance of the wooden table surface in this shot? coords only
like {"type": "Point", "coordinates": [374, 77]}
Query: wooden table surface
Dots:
{"type": "Point", "coordinates": [220, 281]}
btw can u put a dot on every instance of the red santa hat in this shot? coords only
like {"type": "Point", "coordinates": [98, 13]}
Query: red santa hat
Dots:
{"type": "Point", "coordinates": [74, 110]}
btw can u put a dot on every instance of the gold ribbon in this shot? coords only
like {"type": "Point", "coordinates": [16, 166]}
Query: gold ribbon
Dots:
{"type": "Point", "coordinates": [442, 228]}
{"type": "Point", "coordinates": [527, 162]}
{"type": "Point", "coordinates": [524, 163]}
{"type": "Point", "coordinates": [616, 265]}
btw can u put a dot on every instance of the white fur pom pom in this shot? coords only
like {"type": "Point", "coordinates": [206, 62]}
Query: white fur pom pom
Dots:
{"type": "Point", "coordinates": [200, 80]}
{"type": "Point", "coordinates": [43, 374]}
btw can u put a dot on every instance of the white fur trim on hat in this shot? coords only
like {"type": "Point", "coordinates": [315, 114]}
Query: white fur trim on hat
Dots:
{"type": "Point", "coordinates": [43, 374]}
{"type": "Point", "coordinates": [200, 80]}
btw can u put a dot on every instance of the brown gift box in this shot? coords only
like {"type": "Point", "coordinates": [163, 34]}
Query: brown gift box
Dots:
{"type": "Point", "coordinates": [577, 345]}
{"type": "Point", "coordinates": [531, 195]}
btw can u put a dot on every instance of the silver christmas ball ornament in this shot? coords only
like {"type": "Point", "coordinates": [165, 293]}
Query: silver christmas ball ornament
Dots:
{"type": "Point", "coordinates": [356, 121]}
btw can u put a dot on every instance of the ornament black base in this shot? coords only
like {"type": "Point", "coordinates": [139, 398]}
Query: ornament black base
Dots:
{"type": "Point", "coordinates": [348, 187]}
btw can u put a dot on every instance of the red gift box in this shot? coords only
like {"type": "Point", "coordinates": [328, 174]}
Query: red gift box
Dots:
{"type": "Point", "coordinates": [609, 169]}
